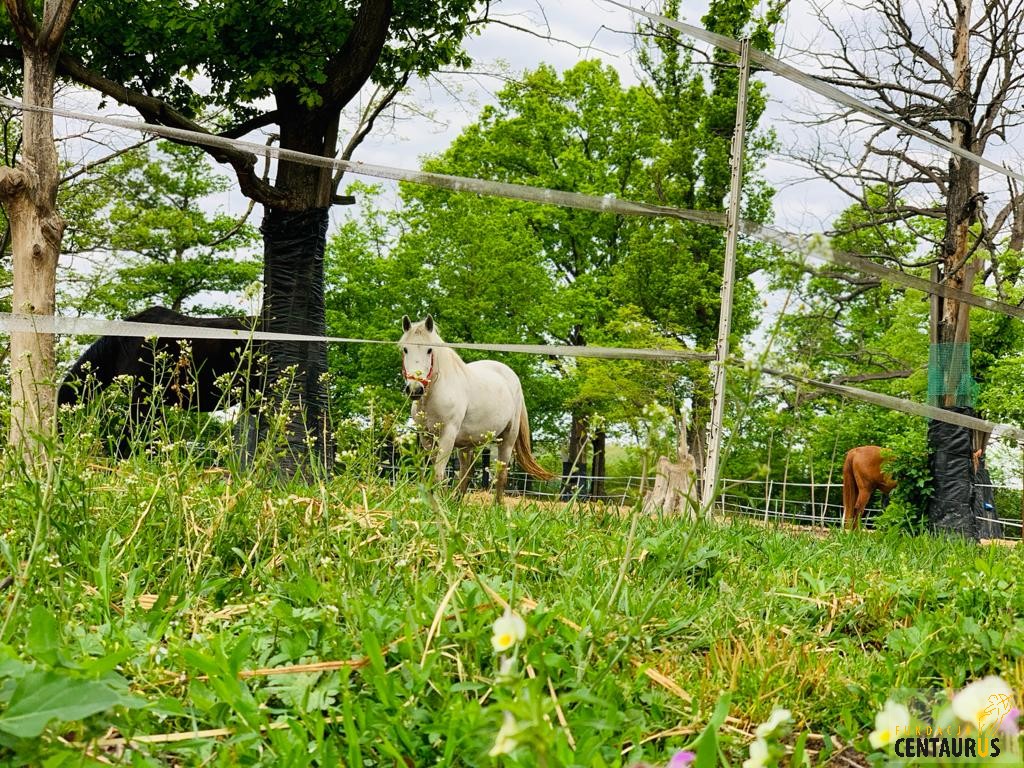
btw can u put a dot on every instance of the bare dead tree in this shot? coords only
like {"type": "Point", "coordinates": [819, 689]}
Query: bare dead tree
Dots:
{"type": "Point", "coordinates": [956, 72]}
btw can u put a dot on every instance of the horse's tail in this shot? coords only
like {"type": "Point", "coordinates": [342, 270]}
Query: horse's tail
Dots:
{"type": "Point", "coordinates": [524, 452]}
{"type": "Point", "coordinates": [849, 488]}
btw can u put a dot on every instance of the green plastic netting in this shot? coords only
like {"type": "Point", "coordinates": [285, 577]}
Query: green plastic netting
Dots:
{"type": "Point", "coordinates": [949, 375]}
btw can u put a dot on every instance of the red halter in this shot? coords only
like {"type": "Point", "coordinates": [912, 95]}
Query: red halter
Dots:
{"type": "Point", "coordinates": [425, 381]}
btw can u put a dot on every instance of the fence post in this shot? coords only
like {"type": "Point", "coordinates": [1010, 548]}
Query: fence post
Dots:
{"type": "Point", "coordinates": [710, 474]}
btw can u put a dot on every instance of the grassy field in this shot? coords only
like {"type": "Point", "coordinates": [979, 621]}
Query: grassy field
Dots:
{"type": "Point", "coordinates": [350, 623]}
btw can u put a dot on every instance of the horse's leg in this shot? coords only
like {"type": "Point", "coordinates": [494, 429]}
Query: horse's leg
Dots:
{"type": "Point", "coordinates": [506, 443]}
{"type": "Point", "coordinates": [443, 450]}
{"type": "Point", "coordinates": [466, 457]}
{"type": "Point", "coordinates": [863, 497]}
{"type": "Point", "coordinates": [849, 492]}
{"type": "Point", "coordinates": [426, 437]}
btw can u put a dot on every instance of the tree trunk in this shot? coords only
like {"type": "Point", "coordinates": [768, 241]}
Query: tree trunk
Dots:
{"type": "Point", "coordinates": [293, 302]}
{"type": "Point", "coordinates": [293, 296]}
{"type": "Point", "coordinates": [29, 194]}
{"type": "Point", "coordinates": [949, 507]}
{"type": "Point", "coordinates": [576, 462]}
{"type": "Point", "coordinates": [675, 483]}
{"type": "Point", "coordinates": [700, 417]}
{"type": "Point", "coordinates": [597, 465]}
{"type": "Point", "coordinates": [951, 319]}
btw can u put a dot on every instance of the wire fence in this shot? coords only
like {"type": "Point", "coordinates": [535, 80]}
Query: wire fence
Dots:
{"type": "Point", "coordinates": [817, 505]}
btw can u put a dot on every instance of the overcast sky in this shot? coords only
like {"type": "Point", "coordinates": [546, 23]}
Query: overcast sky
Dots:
{"type": "Point", "coordinates": [559, 33]}
{"type": "Point", "coordinates": [565, 32]}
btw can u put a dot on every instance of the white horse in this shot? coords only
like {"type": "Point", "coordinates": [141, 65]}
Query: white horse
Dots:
{"type": "Point", "coordinates": [464, 405]}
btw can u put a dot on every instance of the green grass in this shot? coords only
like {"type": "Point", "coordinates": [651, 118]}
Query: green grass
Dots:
{"type": "Point", "coordinates": [143, 591]}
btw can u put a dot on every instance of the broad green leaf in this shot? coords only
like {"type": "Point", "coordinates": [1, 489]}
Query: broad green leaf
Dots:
{"type": "Point", "coordinates": [42, 697]}
{"type": "Point", "coordinates": [43, 635]}
{"type": "Point", "coordinates": [707, 742]}
{"type": "Point", "coordinates": [799, 755]}
{"type": "Point", "coordinates": [707, 751]}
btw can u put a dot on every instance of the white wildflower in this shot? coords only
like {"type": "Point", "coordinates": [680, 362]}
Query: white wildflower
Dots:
{"type": "Point", "coordinates": [508, 630]}
{"type": "Point", "coordinates": [887, 724]}
{"type": "Point", "coordinates": [777, 718]}
{"type": "Point", "coordinates": [984, 703]}
{"type": "Point", "coordinates": [759, 754]}
{"type": "Point", "coordinates": [505, 741]}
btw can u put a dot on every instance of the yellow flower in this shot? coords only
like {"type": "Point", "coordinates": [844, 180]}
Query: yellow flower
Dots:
{"type": "Point", "coordinates": [984, 703]}
{"type": "Point", "coordinates": [887, 722]}
{"type": "Point", "coordinates": [508, 630]}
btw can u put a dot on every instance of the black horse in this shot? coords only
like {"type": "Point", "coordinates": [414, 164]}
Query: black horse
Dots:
{"type": "Point", "coordinates": [203, 375]}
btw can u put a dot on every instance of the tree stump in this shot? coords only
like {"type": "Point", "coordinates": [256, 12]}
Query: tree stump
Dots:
{"type": "Point", "coordinates": [674, 489]}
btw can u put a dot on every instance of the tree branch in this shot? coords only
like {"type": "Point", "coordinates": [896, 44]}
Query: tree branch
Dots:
{"type": "Point", "coordinates": [350, 68]}
{"type": "Point", "coordinates": [157, 111]}
{"type": "Point", "coordinates": [24, 22]}
{"type": "Point", "coordinates": [55, 23]}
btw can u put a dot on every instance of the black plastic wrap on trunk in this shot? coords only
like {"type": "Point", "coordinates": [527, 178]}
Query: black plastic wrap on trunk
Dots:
{"type": "Point", "coordinates": [950, 507]}
{"type": "Point", "coordinates": [293, 302]}
{"type": "Point", "coordinates": [985, 505]}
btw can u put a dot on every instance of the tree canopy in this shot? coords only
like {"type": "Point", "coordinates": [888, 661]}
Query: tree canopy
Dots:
{"type": "Point", "coordinates": [495, 269]}
{"type": "Point", "coordinates": [287, 68]}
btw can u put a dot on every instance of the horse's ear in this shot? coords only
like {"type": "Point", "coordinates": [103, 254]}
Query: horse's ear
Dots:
{"type": "Point", "coordinates": [406, 323]}
{"type": "Point", "coordinates": [429, 322]}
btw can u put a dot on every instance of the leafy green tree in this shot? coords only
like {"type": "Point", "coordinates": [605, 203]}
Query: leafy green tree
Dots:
{"type": "Point", "coordinates": [474, 276]}
{"type": "Point", "coordinates": [146, 214]}
{"type": "Point", "coordinates": [290, 69]}
{"type": "Point", "coordinates": [674, 271]}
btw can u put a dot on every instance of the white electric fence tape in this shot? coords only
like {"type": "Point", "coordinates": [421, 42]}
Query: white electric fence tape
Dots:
{"type": "Point", "coordinates": [87, 326]}
{"type": "Point", "coordinates": [95, 326]}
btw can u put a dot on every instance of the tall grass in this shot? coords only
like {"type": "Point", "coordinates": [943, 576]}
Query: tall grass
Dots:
{"type": "Point", "coordinates": [173, 593]}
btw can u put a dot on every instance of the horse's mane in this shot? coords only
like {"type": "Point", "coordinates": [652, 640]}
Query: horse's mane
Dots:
{"type": "Point", "coordinates": [452, 355]}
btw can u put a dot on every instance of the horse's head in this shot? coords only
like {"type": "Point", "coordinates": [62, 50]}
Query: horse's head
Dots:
{"type": "Point", "coordinates": [418, 359]}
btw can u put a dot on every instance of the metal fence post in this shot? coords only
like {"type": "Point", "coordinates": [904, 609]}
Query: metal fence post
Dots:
{"type": "Point", "coordinates": [711, 466]}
